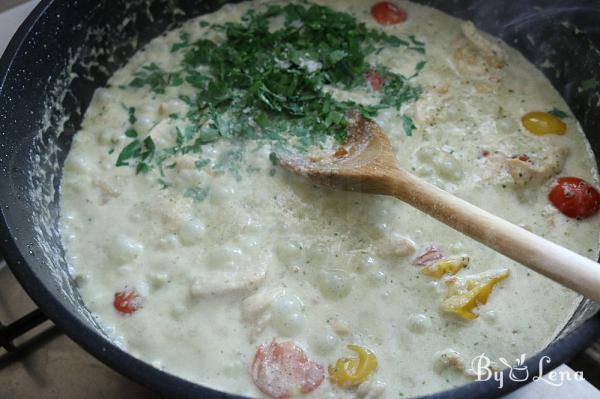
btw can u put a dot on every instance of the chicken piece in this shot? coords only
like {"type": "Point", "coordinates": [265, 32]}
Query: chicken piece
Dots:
{"type": "Point", "coordinates": [227, 269]}
{"type": "Point", "coordinates": [397, 246]}
{"type": "Point", "coordinates": [492, 52]}
{"type": "Point", "coordinates": [428, 109]}
{"type": "Point", "coordinates": [527, 172]}
{"type": "Point", "coordinates": [254, 310]}
{"type": "Point", "coordinates": [256, 304]}
{"type": "Point", "coordinates": [451, 359]}
{"type": "Point", "coordinates": [435, 107]}
{"type": "Point", "coordinates": [107, 190]}
{"type": "Point", "coordinates": [494, 166]}
{"type": "Point", "coordinates": [478, 57]}
{"type": "Point", "coordinates": [448, 358]}
{"type": "Point", "coordinates": [171, 212]}
{"type": "Point", "coordinates": [215, 283]}
{"type": "Point", "coordinates": [465, 294]}
{"type": "Point", "coordinates": [371, 389]}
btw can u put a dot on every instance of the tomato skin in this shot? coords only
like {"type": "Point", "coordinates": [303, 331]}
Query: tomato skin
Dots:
{"type": "Point", "coordinates": [387, 13]}
{"type": "Point", "coordinates": [127, 301]}
{"type": "Point", "coordinates": [429, 255]}
{"type": "Point", "coordinates": [521, 157]}
{"type": "Point", "coordinates": [282, 370]}
{"type": "Point", "coordinates": [374, 79]}
{"type": "Point", "coordinates": [341, 152]}
{"type": "Point", "coordinates": [575, 197]}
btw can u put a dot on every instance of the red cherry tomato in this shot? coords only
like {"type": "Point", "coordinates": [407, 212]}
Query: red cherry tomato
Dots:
{"type": "Point", "coordinates": [575, 197]}
{"type": "Point", "coordinates": [283, 370]}
{"type": "Point", "coordinates": [387, 13]}
{"type": "Point", "coordinates": [127, 301]}
{"type": "Point", "coordinates": [374, 79]}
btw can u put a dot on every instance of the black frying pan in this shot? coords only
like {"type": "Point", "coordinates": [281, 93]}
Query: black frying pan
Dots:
{"type": "Point", "coordinates": [66, 49]}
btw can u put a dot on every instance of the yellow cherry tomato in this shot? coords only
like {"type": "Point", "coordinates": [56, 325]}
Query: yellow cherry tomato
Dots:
{"type": "Point", "coordinates": [351, 372]}
{"type": "Point", "coordinates": [446, 266]}
{"type": "Point", "coordinates": [462, 300]}
{"type": "Point", "coordinates": [541, 123]}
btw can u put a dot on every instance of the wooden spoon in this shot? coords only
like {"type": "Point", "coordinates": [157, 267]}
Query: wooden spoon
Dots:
{"type": "Point", "coordinates": [367, 164]}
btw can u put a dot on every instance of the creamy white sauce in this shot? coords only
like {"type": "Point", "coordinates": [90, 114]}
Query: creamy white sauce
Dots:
{"type": "Point", "coordinates": [328, 268]}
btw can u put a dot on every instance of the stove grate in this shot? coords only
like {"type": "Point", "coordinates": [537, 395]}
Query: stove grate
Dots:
{"type": "Point", "coordinates": [19, 329]}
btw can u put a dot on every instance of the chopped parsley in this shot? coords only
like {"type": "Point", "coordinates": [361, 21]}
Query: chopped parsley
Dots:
{"type": "Point", "coordinates": [589, 84]}
{"type": "Point", "coordinates": [184, 41]}
{"type": "Point", "coordinates": [273, 159]}
{"type": "Point", "coordinates": [132, 133]}
{"type": "Point", "coordinates": [131, 150]}
{"type": "Point", "coordinates": [197, 194]}
{"type": "Point", "coordinates": [408, 125]}
{"type": "Point", "coordinates": [131, 112]}
{"type": "Point", "coordinates": [201, 163]}
{"type": "Point", "coordinates": [558, 113]}
{"type": "Point", "coordinates": [271, 85]}
{"type": "Point", "coordinates": [155, 77]}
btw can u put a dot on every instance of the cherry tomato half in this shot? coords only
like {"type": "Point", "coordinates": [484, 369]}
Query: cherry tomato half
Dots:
{"type": "Point", "coordinates": [127, 301]}
{"type": "Point", "coordinates": [282, 370]}
{"type": "Point", "coordinates": [387, 13]}
{"type": "Point", "coordinates": [542, 123]}
{"type": "Point", "coordinates": [575, 197]}
{"type": "Point", "coordinates": [374, 79]}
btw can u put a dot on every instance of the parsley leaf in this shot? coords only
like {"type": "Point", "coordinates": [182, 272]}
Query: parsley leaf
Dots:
{"type": "Point", "coordinates": [408, 125]}
{"type": "Point", "coordinates": [184, 41]}
{"type": "Point", "coordinates": [589, 84]}
{"type": "Point", "coordinates": [131, 150]}
{"type": "Point", "coordinates": [558, 113]}
{"type": "Point", "coordinates": [155, 77]}
{"type": "Point", "coordinates": [131, 112]}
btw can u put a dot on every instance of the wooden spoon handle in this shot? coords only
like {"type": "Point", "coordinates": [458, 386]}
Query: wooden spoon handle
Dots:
{"type": "Point", "coordinates": [558, 263]}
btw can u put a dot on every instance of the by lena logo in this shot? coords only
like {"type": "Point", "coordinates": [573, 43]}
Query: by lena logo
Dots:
{"type": "Point", "coordinates": [517, 371]}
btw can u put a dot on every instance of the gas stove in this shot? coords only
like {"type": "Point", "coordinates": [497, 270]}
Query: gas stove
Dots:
{"type": "Point", "coordinates": [39, 361]}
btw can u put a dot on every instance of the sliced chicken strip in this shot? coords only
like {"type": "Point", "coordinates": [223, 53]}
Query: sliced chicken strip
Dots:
{"type": "Point", "coordinates": [525, 172]}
